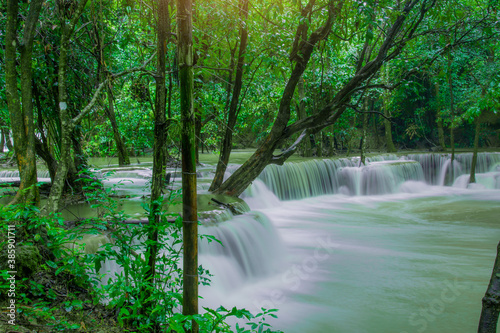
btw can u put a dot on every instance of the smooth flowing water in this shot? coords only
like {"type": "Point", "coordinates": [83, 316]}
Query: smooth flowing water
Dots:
{"type": "Point", "coordinates": [370, 249]}
{"type": "Point", "coordinates": [385, 247]}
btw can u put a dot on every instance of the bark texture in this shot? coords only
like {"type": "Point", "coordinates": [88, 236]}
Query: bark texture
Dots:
{"type": "Point", "coordinates": [21, 110]}
{"type": "Point", "coordinates": [227, 143]}
{"type": "Point", "coordinates": [189, 202]}
{"type": "Point", "coordinates": [123, 158]}
{"type": "Point", "coordinates": [491, 301]}
{"type": "Point", "coordinates": [160, 135]}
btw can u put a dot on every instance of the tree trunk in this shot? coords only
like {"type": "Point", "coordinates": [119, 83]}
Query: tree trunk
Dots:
{"type": "Point", "coordinates": [472, 178]}
{"type": "Point", "coordinates": [329, 115]}
{"type": "Point", "coordinates": [2, 141]}
{"type": "Point", "coordinates": [319, 145]}
{"type": "Point", "coordinates": [387, 122]}
{"type": "Point", "coordinates": [189, 202]}
{"type": "Point", "coordinates": [306, 144]}
{"type": "Point", "coordinates": [362, 158]}
{"type": "Point", "coordinates": [439, 120]}
{"type": "Point", "coordinates": [227, 143]}
{"type": "Point", "coordinates": [8, 142]}
{"type": "Point", "coordinates": [43, 151]}
{"type": "Point", "coordinates": [491, 300]}
{"type": "Point", "coordinates": [199, 142]}
{"type": "Point", "coordinates": [452, 116]}
{"type": "Point", "coordinates": [67, 124]}
{"type": "Point", "coordinates": [21, 111]}
{"type": "Point", "coordinates": [158, 177]}
{"type": "Point", "coordinates": [441, 134]}
{"type": "Point", "coordinates": [123, 158]}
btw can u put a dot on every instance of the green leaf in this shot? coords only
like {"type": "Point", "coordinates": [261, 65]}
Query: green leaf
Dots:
{"type": "Point", "coordinates": [51, 264]}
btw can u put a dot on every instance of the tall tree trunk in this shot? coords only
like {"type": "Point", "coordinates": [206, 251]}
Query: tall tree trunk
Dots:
{"type": "Point", "coordinates": [472, 178]}
{"type": "Point", "coordinates": [189, 197]}
{"type": "Point", "coordinates": [123, 158]}
{"type": "Point", "coordinates": [21, 111]}
{"type": "Point", "coordinates": [67, 125]}
{"type": "Point", "coordinates": [452, 116]}
{"type": "Point", "coordinates": [227, 143]}
{"type": "Point", "coordinates": [491, 300]}
{"type": "Point", "coordinates": [158, 178]}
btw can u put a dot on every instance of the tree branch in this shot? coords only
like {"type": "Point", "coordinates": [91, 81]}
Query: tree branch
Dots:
{"type": "Point", "coordinates": [281, 158]}
{"type": "Point", "coordinates": [95, 97]}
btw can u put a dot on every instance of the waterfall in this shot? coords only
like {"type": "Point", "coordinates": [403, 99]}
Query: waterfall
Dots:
{"type": "Point", "coordinates": [437, 167]}
{"type": "Point", "coordinates": [249, 248]}
{"type": "Point", "coordinates": [382, 174]}
{"type": "Point", "coordinates": [15, 174]}
{"type": "Point", "coordinates": [305, 179]}
{"type": "Point", "coordinates": [317, 177]}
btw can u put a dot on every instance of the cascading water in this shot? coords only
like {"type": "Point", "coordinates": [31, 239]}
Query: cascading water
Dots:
{"type": "Point", "coordinates": [371, 248]}
{"type": "Point", "coordinates": [250, 249]}
{"type": "Point", "coordinates": [342, 248]}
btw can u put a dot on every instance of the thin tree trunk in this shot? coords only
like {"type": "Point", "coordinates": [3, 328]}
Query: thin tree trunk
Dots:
{"type": "Point", "coordinates": [452, 115]}
{"type": "Point", "coordinates": [306, 144]}
{"type": "Point", "coordinates": [158, 177]}
{"type": "Point", "coordinates": [21, 111]}
{"type": "Point", "coordinates": [441, 134]}
{"type": "Point", "coordinates": [198, 134]}
{"type": "Point", "coordinates": [2, 141]}
{"type": "Point", "coordinates": [8, 142]}
{"type": "Point", "coordinates": [387, 123]}
{"type": "Point", "coordinates": [123, 158]}
{"type": "Point", "coordinates": [189, 197]}
{"type": "Point", "coordinates": [362, 158]}
{"type": "Point", "coordinates": [439, 120]}
{"type": "Point", "coordinates": [319, 144]}
{"type": "Point", "coordinates": [491, 300]}
{"type": "Point", "coordinates": [472, 178]}
{"type": "Point", "coordinates": [227, 143]}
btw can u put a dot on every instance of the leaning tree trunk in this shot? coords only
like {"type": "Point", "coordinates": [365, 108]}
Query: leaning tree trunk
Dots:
{"type": "Point", "coordinates": [227, 143]}
{"type": "Point", "coordinates": [21, 111]}
{"type": "Point", "coordinates": [300, 55]}
{"type": "Point", "coordinates": [491, 300]}
{"type": "Point", "coordinates": [123, 158]}
{"type": "Point", "coordinates": [8, 143]}
{"type": "Point", "coordinates": [472, 178]}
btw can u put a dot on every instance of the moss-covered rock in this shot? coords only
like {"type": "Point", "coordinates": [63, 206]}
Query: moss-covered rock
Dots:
{"type": "Point", "coordinates": [28, 260]}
